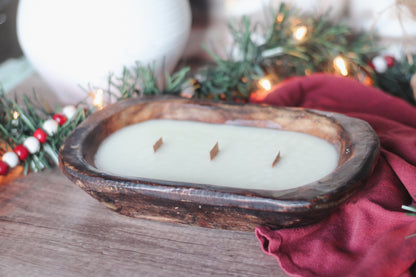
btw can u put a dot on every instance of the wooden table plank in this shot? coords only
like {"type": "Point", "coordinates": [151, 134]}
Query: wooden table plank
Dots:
{"type": "Point", "coordinates": [50, 227]}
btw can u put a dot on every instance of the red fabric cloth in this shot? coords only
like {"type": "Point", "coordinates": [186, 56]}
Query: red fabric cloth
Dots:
{"type": "Point", "coordinates": [365, 236]}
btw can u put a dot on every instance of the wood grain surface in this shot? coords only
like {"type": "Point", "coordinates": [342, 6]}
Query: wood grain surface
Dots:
{"type": "Point", "coordinates": [50, 227]}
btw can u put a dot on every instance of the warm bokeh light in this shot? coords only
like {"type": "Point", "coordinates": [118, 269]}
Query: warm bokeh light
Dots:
{"type": "Point", "coordinates": [98, 99]}
{"type": "Point", "coordinates": [340, 66]}
{"type": "Point", "coordinates": [280, 17]}
{"type": "Point", "coordinates": [15, 115]}
{"type": "Point", "coordinates": [265, 84]}
{"type": "Point", "coordinates": [300, 32]}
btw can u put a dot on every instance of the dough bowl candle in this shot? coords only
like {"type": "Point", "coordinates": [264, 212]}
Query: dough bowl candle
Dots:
{"type": "Point", "coordinates": [244, 159]}
{"type": "Point", "coordinates": [219, 165]}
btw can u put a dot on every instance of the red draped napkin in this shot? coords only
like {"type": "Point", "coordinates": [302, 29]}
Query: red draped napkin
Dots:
{"type": "Point", "coordinates": [365, 236]}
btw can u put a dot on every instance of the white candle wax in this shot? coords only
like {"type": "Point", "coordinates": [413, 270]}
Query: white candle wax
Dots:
{"type": "Point", "coordinates": [244, 160]}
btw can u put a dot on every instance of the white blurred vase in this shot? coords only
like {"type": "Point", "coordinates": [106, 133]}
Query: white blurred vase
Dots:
{"type": "Point", "coordinates": [73, 43]}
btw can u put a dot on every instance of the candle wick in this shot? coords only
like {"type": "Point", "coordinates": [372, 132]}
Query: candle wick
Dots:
{"type": "Point", "coordinates": [276, 159]}
{"type": "Point", "coordinates": [214, 151]}
{"type": "Point", "coordinates": [157, 144]}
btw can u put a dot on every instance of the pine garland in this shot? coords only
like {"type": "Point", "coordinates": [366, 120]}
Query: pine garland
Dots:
{"type": "Point", "coordinates": [257, 53]}
{"type": "Point", "coordinates": [272, 52]}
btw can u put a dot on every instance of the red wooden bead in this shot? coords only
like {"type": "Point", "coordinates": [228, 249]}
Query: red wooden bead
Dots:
{"type": "Point", "coordinates": [40, 135]}
{"type": "Point", "coordinates": [4, 168]}
{"type": "Point", "coordinates": [60, 118]}
{"type": "Point", "coordinates": [390, 61]}
{"type": "Point", "coordinates": [21, 152]}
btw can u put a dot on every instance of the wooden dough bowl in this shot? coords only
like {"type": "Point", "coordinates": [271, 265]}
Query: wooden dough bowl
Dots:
{"type": "Point", "coordinates": [215, 206]}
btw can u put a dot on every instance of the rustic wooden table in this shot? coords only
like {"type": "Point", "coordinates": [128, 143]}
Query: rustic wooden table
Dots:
{"type": "Point", "coordinates": [50, 227]}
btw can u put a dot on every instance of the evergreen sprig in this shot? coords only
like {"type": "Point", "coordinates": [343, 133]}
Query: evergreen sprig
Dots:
{"type": "Point", "coordinates": [141, 80]}
{"type": "Point", "coordinates": [411, 211]}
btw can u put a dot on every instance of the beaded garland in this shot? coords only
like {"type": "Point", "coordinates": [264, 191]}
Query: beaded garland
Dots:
{"type": "Point", "coordinates": [32, 144]}
{"type": "Point", "coordinates": [381, 63]}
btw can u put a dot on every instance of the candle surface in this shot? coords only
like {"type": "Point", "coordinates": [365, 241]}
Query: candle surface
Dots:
{"type": "Point", "coordinates": [244, 159]}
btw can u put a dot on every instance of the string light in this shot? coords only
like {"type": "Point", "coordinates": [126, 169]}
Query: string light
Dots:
{"type": "Point", "coordinates": [14, 121]}
{"type": "Point", "coordinates": [98, 99]}
{"type": "Point", "coordinates": [300, 32]}
{"type": "Point", "coordinates": [280, 17]}
{"type": "Point", "coordinates": [265, 84]}
{"type": "Point", "coordinates": [340, 66]}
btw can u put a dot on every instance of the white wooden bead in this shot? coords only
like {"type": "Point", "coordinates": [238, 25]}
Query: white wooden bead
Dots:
{"type": "Point", "coordinates": [50, 126]}
{"type": "Point", "coordinates": [380, 64]}
{"type": "Point", "coordinates": [69, 111]}
{"type": "Point", "coordinates": [11, 159]}
{"type": "Point", "coordinates": [32, 144]}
